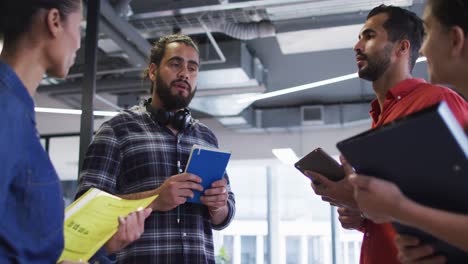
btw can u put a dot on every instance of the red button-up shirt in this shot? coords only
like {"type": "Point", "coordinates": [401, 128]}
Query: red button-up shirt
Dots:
{"type": "Point", "coordinates": [406, 97]}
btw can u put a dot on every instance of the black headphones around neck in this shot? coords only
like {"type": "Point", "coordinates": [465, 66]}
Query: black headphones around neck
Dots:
{"type": "Point", "coordinates": [179, 120]}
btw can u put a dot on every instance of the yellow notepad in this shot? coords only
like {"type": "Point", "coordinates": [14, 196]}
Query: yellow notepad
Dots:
{"type": "Point", "coordinates": [92, 220]}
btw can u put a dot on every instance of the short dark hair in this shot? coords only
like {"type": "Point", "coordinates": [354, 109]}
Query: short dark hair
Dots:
{"type": "Point", "coordinates": [159, 49]}
{"type": "Point", "coordinates": [450, 12]}
{"type": "Point", "coordinates": [16, 16]}
{"type": "Point", "coordinates": [402, 24]}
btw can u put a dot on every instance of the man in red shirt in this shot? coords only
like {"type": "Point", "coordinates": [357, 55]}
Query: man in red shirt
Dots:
{"type": "Point", "coordinates": [386, 53]}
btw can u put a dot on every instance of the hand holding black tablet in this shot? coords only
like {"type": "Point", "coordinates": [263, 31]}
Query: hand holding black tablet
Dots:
{"type": "Point", "coordinates": [319, 161]}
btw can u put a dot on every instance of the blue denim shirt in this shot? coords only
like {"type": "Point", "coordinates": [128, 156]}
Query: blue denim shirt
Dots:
{"type": "Point", "coordinates": [31, 203]}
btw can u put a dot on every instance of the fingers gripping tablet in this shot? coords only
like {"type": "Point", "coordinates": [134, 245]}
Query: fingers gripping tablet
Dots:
{"type": "Point", "coordinates": [319, 161]}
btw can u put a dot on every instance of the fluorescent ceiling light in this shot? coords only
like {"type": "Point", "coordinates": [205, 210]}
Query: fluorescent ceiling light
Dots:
{"type": "Point", "coordinates": [306, 86]}
{"type": "Point", "coordinates": [285, 155]}
{"type": "Point", "coordinates": [331, 38]}
{"type": "Point", "coordinates": [299, 88]}
{"type": "Point", "coordinates": [72, 111]}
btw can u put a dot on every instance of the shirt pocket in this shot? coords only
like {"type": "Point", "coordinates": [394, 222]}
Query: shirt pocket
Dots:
{"type": "Point", "coordinates": [43, 199]}
{"type": "Point", "coordinates": [43, 203]}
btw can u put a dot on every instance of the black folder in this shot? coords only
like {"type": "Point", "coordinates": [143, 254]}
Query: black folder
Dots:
{"type": "Point", "coordinates": [426, 155]}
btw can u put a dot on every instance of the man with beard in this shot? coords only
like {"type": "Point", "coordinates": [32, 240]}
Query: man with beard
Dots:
{"type": "Point", "coordinates": [386, 53]}
{"type": "Point", "coordinates": [142, 152]}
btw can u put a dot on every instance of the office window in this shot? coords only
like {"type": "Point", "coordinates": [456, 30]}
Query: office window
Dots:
{"type": "Point", "coordinates": [248, 250]}
{"type": "Point", "coordinates": [293, 250]}
{"type": "Point", "coordinates": [314, 250]}
{"type": "Point", "coordinates": [63, 153]}
{"type": "Point", "coordinates": [249, 185]}
{"type": "Point", "coordinates": [228, 247]}
{"type": "Point", "coordinates": [351, 252]}
{"type": "Point", "coordinates": [303, 214]}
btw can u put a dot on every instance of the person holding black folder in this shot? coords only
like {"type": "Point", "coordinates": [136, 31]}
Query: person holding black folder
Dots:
{"type": "Point", "coordinates": [386, 53]}
{"type": "Point", "coordinates": [446, 49]}
{"type": "Point", "coordinates": [40, 37]}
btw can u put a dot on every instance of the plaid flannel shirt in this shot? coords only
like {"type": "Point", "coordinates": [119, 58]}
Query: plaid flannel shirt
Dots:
{"type": "Point", "coordinates": [131, 153]}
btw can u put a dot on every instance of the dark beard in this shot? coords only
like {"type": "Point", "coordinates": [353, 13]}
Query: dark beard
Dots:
{"type": "Point", "coordinates": [169, 101]}
{"type": "Point", "coordinates": [377, 66]}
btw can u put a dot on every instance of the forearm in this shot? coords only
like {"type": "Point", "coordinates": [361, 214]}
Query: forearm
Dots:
{"type": "Point", "coordinates": [450, 227]}
{"type": "Point", "coordinates": [219, 215]}
{"type": "Point", "coordinates": [224, 218]}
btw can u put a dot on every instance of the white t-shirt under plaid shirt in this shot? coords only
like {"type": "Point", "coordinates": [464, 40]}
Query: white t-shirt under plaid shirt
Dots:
{"type": "Point", "coordinates": [131, 153]}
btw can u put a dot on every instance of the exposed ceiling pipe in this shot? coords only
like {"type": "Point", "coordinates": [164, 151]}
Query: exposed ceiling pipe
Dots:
{"type": "Point", "coordinates": [213, 42]}
{"type": "Point", "coordinates": [123, 8]}
{"type": "Point", "coordinates": [134, 55]}
{"type": "Point", "coordinates": [125, 35]}
{"type": "Point", "coordinates": [244, 31]}
{"type": "Point", "coordinates": [216, 8]}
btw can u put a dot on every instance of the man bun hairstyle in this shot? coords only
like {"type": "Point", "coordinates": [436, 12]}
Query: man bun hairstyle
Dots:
{"type": "Point", "coordinates": [400, 25]}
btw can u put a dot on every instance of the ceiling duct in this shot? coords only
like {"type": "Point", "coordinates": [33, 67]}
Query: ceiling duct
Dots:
{"type": "Point", "coordinates": [246, 19]}
{"type": "Point", "coordinates": [123, 8]}
{"type": "Point", "coordinates": [239, 77]}
{"type": "Point", "coordinates": [278, 119]}
{"type": "Point", "coordinates": [240, 68]}
{"type": "Point", "coordinates": [244, 31]}
{"type": "Point", "coordinates": [219, 85]}
{"type": "Point", "coordinates": [125, 35]}
{"type": "Point", "coordinates": [243, 24]}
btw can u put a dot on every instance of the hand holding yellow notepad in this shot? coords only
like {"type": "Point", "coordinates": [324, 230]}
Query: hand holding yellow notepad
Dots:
{"type": "Point", "coordinates": [92, 220]}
